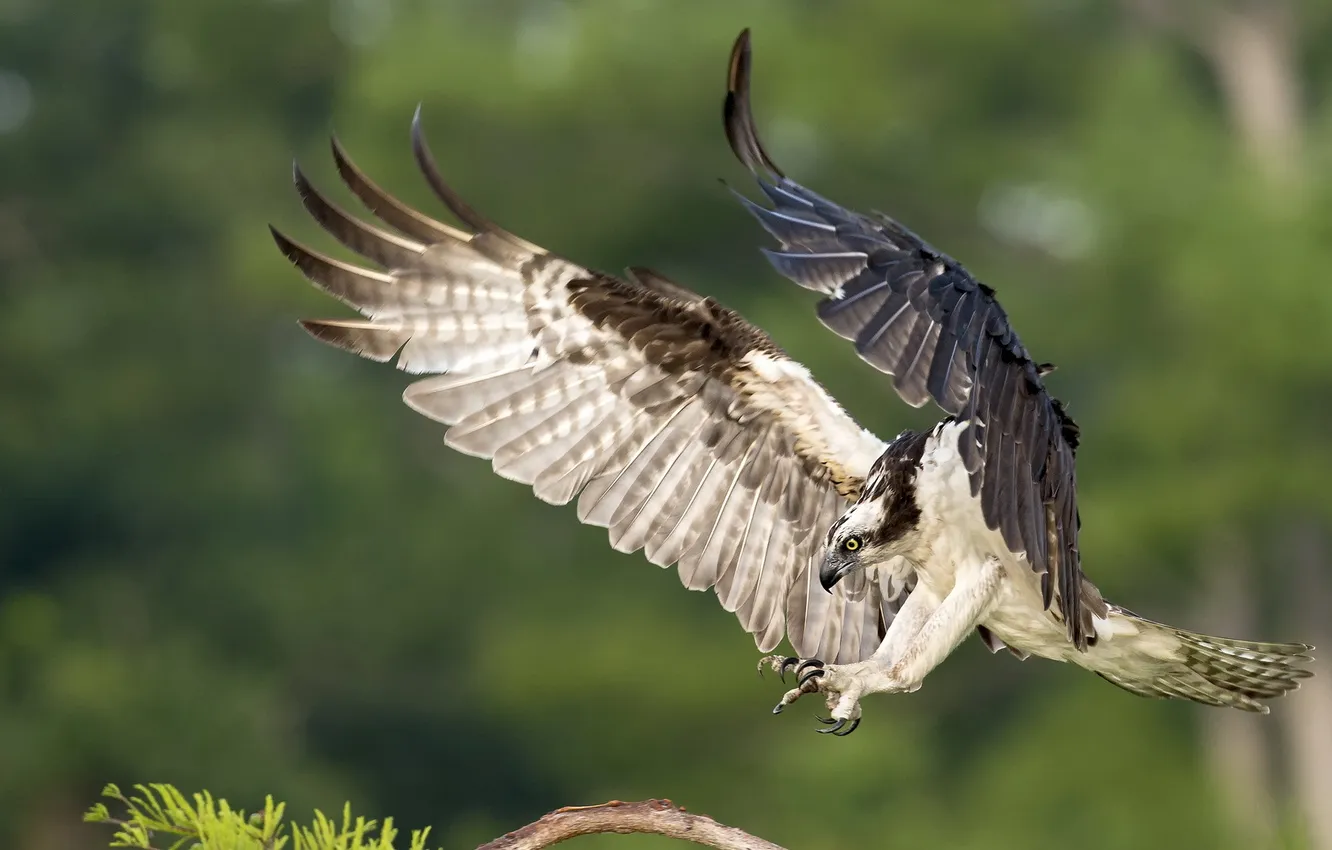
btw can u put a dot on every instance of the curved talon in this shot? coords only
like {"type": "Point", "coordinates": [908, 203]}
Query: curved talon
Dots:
{"type": "Point", "coordinates": [839, 728]}
{"type": "Point", "coordinates": [777, 709]}
{"type": "Point", "coordinates": [810, 676]}
{"type": "Point", "coordinates": [787, 664]}
{"type": "Point", "coordinates": [827, 721]}
{"type": "Point", "coordinates": [834, 730]}
{"type": "Point", "coordinates": [812, 662]}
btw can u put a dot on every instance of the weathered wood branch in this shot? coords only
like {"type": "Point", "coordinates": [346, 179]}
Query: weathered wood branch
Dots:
{"type": "Point", "coordinates": [655, 817]}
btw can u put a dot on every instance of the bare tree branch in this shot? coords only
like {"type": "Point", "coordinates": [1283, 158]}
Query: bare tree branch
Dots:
{"type": "Point", "coordinates": [655, 817]}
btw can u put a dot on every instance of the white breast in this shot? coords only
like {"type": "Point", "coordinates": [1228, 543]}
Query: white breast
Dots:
{"type": "Point", "coordinates": [952, 527]}
{"type": "Point", "coordinates": [955, 542]}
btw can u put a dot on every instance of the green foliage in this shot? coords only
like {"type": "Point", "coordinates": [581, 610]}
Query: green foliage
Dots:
{"type": "Point", "coordinates": [160, 817]}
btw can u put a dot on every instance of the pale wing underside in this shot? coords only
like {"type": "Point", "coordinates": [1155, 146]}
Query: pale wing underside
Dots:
{"type": "Point", "coordinates": [678, 426]}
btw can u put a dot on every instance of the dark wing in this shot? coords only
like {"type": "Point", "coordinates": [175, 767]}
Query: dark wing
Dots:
{"type": "Point", "coordinates": [680, 427]}
{"type": "Point", "coordinates": [916, 314]}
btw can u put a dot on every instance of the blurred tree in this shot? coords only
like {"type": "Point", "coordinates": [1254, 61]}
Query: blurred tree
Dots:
{"type": "Point", "coordinates": [1252, 51]}
{"type": "Point", "coordinates": [127, 450]}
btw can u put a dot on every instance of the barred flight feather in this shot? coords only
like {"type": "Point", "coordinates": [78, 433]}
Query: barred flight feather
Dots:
{"type": "Point", "coordinates": [677, 426]}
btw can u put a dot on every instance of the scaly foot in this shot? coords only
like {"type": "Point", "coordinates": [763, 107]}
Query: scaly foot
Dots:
{"type": "Point", "coordinates": [842, 685]}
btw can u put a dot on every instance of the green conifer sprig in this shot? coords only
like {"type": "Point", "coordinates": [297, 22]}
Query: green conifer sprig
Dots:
{"type": "Point", "coordinates": [160, 817]}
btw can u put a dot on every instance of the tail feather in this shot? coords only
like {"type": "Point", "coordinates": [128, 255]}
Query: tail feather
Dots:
{"type": "Point", "coordinates": [1166, 662]}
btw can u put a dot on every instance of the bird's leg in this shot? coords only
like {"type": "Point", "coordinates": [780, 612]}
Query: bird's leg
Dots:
{"type": "Point", "coordinates": [907, 623]}
{"type": "Point", "coordinates": [970, 601]}
{"type": "Point", "coordinates": [926, 636]}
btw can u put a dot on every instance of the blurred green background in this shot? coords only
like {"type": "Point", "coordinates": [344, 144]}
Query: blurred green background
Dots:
{"type": "Point", "coordinates": [231, 558]}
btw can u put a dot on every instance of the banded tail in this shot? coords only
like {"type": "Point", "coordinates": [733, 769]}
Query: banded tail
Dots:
{"type": "Point", "coordinates": [1156, 660]}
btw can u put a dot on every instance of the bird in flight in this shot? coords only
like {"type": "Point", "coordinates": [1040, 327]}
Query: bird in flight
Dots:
{"type": "Point", "coordinates": [689, 434]}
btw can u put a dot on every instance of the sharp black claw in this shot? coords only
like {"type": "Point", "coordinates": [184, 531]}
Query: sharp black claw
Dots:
{"type": "Point", "coordinates": [813, 662]}
{"type": "Point", "coordinates": [777, 709]}
{"type": "Point", "coordinates": [838, 727]}
{"type": "Point", "coordinates": [850, 729]}
{"type": "Point", "coordinates": [824, 720]}
{"type": "Point", "coordinates": [812, 674]}
{"type": "Point", "coordinates": [787, 664]}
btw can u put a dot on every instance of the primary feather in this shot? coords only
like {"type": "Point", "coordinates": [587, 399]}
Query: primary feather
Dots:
{"type": "Point", "coordinates": [677, 425]}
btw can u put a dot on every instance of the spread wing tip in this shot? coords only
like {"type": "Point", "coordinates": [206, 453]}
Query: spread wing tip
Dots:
{"type": "Point", "coordinates": [737, 72]}
{"type": "Point", "coordinates": [361, 338]}
{"type": "Point", "coordinates": [425, 160]}
{"type": "Point", "coordinates": [737, 114]}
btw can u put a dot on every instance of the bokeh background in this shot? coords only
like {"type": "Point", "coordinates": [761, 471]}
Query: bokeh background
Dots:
{"type": "Point", "coordinates": [230, 558]}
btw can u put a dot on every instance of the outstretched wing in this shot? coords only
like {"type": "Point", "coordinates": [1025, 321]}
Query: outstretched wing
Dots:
{"type": "Point", "coordinates": [917, 315]}
{"type": "Point", "coordinates": [680, 427]}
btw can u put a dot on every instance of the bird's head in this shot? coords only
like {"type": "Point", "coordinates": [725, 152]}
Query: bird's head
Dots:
{"type": "Point", "coordinates": [853, 544]}
{"type": "Point", "coordinates": [879, 527]}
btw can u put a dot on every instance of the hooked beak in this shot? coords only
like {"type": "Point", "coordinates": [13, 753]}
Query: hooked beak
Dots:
{"type": "Point", "coordinates": [833, 571]}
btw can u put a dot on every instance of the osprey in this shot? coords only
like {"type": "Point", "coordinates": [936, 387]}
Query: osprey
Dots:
{"type": "Point", "coordinates": [689, 434]}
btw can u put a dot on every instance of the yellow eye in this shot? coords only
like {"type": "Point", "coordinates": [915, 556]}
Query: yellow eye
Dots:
{"type": "Point", "coordinates": [851, 544]}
